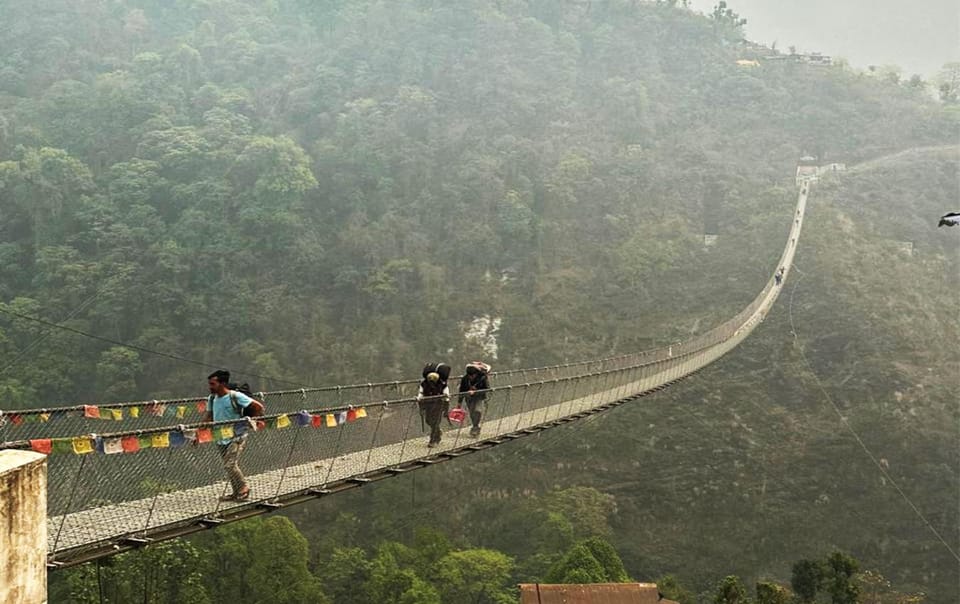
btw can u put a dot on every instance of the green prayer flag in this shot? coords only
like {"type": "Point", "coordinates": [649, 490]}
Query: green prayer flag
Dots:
{"type": "Point", "coordinates": [62, 445]}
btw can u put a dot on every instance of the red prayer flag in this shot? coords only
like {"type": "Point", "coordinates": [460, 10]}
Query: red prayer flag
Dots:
{"type": "Point", "coordinates": [91, 412]}
{"type": "Point", "coordinates": [16, 420]}
{"type": "Point", "coordinates": [316, 421]}
{"type": "Point", "coordinates": [42, 445]}
{"type": "Point", "coordinates": [204, 435]}
{"type": "Point", "coordinates": [202, 407]}
{"type": "Point", "coordinates": [351, 415]}
{"type": "Point", "coordinates": [261, 425]}
{"type": "Point", "coordinates": [130, 444]}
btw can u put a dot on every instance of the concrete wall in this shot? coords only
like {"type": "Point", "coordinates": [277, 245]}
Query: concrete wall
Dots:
{"type": "Point", "coordinates": [23, 527]}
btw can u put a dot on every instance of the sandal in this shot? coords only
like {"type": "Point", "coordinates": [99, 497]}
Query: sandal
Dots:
{"type": "Point", "coordinates": [242, 496]}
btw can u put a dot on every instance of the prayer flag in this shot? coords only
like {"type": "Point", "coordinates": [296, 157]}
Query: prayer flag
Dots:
{"type": "Point", "coordinates": [361, 412]}
{"type": "Point", "coordinates": [112, 446]}
{"type": "Point", "coordinates": [342, 417]}
{"type": "Point", "coordinates": [16, 419]}
{"type": "Point", "coordinates": [62, 445]}
{"type": "Point", "coordinates": [91, 411]}
{"type": "Point", "coordinates": [134, 411]}
{"type": "Point", "coordinates": [181, 411]}
{"type": "Point", "coordinates": [130, 444]}
{"type": "Point", "coordinates": [331, 421]}
{"type": "Point", "coordinates": [303, 419]}
{"type": "Point", "coordinates": [82, 445]}
{"type": "Point", "coordinates": [283, 421]}
{"type": "Point", "coordinates": [160, 440]}
{"type": "Point", "coordinates": [317, 421]}
{"type": "Point", "coordinates": [351, 415]}
{"type": "Point", "coordinates": [42, 445]}
{"type": "Point", "coordinates": [145, 441]}
{"type": "Point", "coordinates": [44, 417]}
{"type": "Point", "coordinates": [202, 407]}
{"type": "Point", "coordinates": [177, 439]}
{"type": "Point", "coordinates": [117, 414]}
{"type": "Point", "coordinates": [204, 435]}
{"type": "Point", "coordinates": [226, 432]}
{"type": "Point", "coordinates": [169, 411]}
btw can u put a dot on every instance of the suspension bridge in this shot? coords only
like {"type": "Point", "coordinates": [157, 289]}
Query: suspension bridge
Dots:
{"type": "Point", "coordinates": [160, 476]}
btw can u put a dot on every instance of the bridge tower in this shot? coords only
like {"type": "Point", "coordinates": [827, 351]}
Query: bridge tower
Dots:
{"type": "Point", "coordinates": [23, 527]}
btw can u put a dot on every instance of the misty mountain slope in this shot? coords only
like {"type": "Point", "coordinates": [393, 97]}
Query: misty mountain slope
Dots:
{"type": "Point", "coordinates": [747, 464]}
{"type": "Point", "coordinates": [368, 177]}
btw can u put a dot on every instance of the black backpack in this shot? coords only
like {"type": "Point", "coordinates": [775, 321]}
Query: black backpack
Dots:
{"type": "Point", "coordinates": [442, 369]}
{"type": "Point", "coordinates": [254, 409]}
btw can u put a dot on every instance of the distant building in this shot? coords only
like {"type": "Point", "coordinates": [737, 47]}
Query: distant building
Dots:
{"type": "Point", "coordinates": [904, 247]}
{"type": "Point", "coordinates": [594, 593]}
{"type": "Point", "coordinates": [748, 63]}
{"type": "Point", "coordinates": [809, 170]}
{"type": "Point", "coordinates": [815, 58]}
{"type": "Point", "coordinates": [835, 167]}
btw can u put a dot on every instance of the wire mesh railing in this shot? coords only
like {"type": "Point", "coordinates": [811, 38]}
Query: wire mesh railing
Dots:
{"type": "Point", "coordinates": [148, 414]}
{"type": "Point", "coordinates": [114, 490]}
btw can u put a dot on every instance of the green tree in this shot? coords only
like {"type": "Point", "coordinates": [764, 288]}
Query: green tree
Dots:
{"type": "Point", "coordinates": [474, 575]}
{"type": "Point", "coordinates": [391, 581]}
{"type": "Point", "coordinates": [672, 589]}
{"type": "Point", "coordinates": [578, 565]}
{"type": "Point", "coordinates": [261, 560]}
{"type": "Point", "coordinates": [165, 573]}
{"type": "Point", "coordinates": [807, 577]}
{"type": "Point", "coordinates": [841, 570]}
{"type": "Point", "coordinates": [772, 593]}
{"type": "Point", "coordinates": [731, 591]}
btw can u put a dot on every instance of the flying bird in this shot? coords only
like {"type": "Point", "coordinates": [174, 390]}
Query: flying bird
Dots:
{"type": "Point", "coordinates": [951, 219]}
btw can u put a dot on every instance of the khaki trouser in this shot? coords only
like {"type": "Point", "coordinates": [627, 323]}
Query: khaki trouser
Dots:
{"type": "Point", "coordinates": [231, 463]}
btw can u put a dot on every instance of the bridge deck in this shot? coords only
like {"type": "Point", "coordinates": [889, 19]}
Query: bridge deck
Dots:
{"type": "Point", "coordinates": [113, 522]}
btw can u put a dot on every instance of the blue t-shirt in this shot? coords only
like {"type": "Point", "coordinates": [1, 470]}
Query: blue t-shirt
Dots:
{"type": "Point", "coordinates": [223, 408]}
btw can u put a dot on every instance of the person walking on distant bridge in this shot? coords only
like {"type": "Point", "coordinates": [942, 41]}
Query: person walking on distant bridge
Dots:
{"type": "Point", "coordinates": [473, 391]}
{"type": "Point", "coordinates": [225, 405]}
{"type": "Point", "coordinates": [434, 398]}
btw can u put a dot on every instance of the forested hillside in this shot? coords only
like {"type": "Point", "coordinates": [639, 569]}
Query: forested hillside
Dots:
{"type": "Point", "coordinates": [312, 192]}
{"type": "Point", "coordinates": [318, 191]}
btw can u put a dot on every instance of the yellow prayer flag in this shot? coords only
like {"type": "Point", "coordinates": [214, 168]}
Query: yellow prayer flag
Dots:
{"type": "Point", "coordinates": [82, 445]}
{"type": "Point", "coordinates": [134, 411]}
{"type": "Point", "coordinates": [283, 421]}
{"type": "Point", "coordinates": [331, 421]}
{"type": "Point", "coordinates": [160, 441]}
{"type": "Point", "coordinates": [226, 432]}
{"type": "Point", "coordinates": [117, 414]}
{"type": "Point", "coordinates": [361, 412]}
{"type": "Point", "coordinates": [44, 417]}
{"type": "Point", "coordinates": [181, 411]}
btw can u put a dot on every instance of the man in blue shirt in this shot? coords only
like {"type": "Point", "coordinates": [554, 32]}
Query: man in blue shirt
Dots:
{"type": "Point", "coordinates": [225, 405]}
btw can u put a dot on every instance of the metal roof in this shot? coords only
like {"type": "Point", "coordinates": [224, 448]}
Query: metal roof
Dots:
{"type": "Point", "coordinates": [595, 593]}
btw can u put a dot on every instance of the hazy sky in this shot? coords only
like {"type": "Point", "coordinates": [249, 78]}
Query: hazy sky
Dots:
{"type": "Point", "coordinates": [918, 35]}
